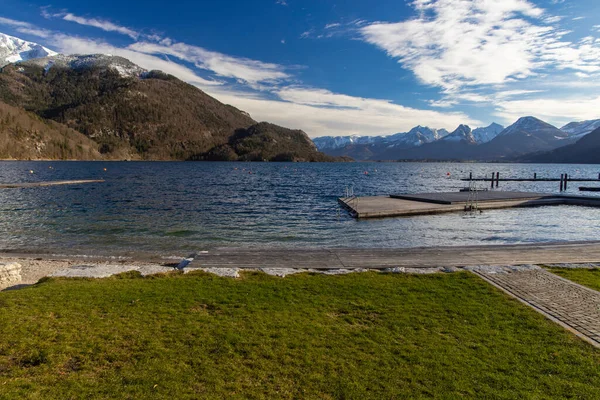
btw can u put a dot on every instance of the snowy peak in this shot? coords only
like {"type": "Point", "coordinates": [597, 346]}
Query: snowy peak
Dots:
{"type": "Point", "coordinates": [461, 134]}
{"type": "Point", "coordinates": [339, 142]}
{"type": "Point", "coordinates": [122, 65]}
{"type": "Point", "coordinates": [533, 126]}
{"type": "Point", "coordinates": [13, 50]}
{"type": "Point", "coordinates": [484, 135]}
{"type": "Point", "coordinates": [427, 134]}
{"type": "Point", "coordinates": [417, 136]}
{"type": "Point", "coordinates": [577, 130]}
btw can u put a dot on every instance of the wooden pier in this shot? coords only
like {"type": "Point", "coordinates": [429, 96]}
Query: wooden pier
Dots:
{"type": "Point", "coordinates": [564, 180]}
{"type": "Point", "coordinates": [49, 183]}
{"type": "Point", "coordinates": [446, 202]}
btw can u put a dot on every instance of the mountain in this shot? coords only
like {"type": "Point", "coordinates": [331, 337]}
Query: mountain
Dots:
{"type": "Point", "coordinates": [577, 130]}
{"type": "Point", "coordinates": [133, 113]}
{"type": "Point", "coordinates": [526, 135]}
{"type": "Point", "coordinates": [488, 133]}
{"type": "Point", "coordinates": [375, 147]}
{"type": "Point", "coordinates": [461, 134]}
{"type": "Point", "coordinates": [585, 151]}
{"type": "Point", "coordinates": [25, 136]}
{"type": "Point", "coordinates": [339, 142]}
{"type": "Point", "coordinates": [417, 136]}
{"type": "Point", "coordinates": [13, 49]}
{"type": "Point", "coordinates": [458, 145]}
{"type": "Point", "coordinates": [267, 142]}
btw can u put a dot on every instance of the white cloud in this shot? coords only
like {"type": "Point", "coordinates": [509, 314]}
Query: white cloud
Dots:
{"type": "Point", "coordinates": [14, 23]}
{"type": "Point", "coordinates": [514, 93]}
{"type": "Point", "coordinates": [105, 25]}
{"type": "Point", "coordinates": [43, 33]}
{"type": "Point", "coordinates": [25, 27]}
{"type": "Point", "coordinates": [244, 69]}
{"type": "Point", "coordinates": [454, 44]}
{"type": "Point", "coordinates": [320, 112]}
{"type": "Point", "coordinates": [577, 18]}
{"type": "Point", "coordinates": [329, 26]}
{"type": "Point", "coordinates": [555, 110]}
{"type": "Point", "coordinates": [443, 103]}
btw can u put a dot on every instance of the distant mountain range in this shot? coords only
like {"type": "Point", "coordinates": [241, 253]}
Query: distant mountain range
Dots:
{"type": "Point", "coordinates": [585, 151]}
{"type": "Point", "coordinates": [100, 106]}
{"type": "Point", "coordinates": [527, 135]}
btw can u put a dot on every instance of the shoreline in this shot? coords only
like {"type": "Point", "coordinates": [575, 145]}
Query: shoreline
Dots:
{"type": "Point", "coordinates": [37, 266]}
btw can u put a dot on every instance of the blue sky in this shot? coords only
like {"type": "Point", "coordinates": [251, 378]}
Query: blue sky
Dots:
{"type": "Point", "coordinates": [334, 67]}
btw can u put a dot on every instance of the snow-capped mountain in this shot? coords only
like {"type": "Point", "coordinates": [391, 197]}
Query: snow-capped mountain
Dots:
{"type": "Point", "coordinates": [531, 126]}
{"type": "Point", "coordinates": [339, 142]}
{"type": "Point", "coordinates": [13, 50]}
{"type": "Point", "coordinates": [526, 135]}
{"type": "Point", "coordinates": [417, 136]}
{"type": "Point", "coordinates": [122, 65]}
{"type": "Point", "coordinates": [577, 130]}
{"type": "Point", "coordinates": [461, 134]}
{"type": "Point", "coordinates": [484, 135]}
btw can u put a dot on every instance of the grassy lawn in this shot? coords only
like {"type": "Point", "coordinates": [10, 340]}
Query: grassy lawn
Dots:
{"type": "Point", "coordinates": [586, 277]}
{"type": "Point", "coordinates": [357, 336]}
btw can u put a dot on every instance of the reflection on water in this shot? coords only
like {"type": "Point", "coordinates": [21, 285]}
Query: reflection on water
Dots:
{"type": "Point", "coordinates": [173, 208]}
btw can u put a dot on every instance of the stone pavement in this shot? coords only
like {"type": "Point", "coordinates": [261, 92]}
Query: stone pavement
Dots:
{"type": "Point", "coordinates": [573, 306]}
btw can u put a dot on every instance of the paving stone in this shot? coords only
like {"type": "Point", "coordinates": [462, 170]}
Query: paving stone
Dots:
{"type": "Point", "coordinates": [573, 305]}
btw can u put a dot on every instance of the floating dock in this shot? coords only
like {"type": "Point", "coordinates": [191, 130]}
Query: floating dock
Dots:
{"type": "Point", "coordinates": [49, 183]}
{"type": "Point", "coordinates": [445, 202]}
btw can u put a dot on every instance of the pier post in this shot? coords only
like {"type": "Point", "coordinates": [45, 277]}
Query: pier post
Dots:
{"type": "Point", "coordinates": [566, 180]}
{"type": "Point", "coordinates": [497, 179]}
{"type": "Point", "coordinates": [492, 180]}
{"type": "Point", "coordinates": [561, 182]}
{"type": "Point", "coordinates": [535, 176]}
{"type": "Point", "coordinates": [470, 176]}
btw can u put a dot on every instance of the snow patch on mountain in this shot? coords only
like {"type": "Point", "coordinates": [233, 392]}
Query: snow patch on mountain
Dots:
{"type": "Point", "coordinates": [461, 134]}
{"type": "Point", "coordinates": [14, 50]}
{"type": "Point", "coordinates": [417, 136]}
{"type": "Point", "coordinates": [488, 133]}
{"type": "Point", "coordinates": [123, 66]}
{"type": "Point", "coordinates": [529, 125]}
{"type": "Point", "coordinates": [577, 130]}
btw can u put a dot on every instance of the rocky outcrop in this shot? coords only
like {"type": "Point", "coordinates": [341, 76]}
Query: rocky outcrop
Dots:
{"type": "Point", "coordinates": [10, 273]}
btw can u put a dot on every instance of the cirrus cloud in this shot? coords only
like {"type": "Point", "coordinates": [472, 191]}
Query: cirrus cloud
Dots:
{"type": "Point", "coordinates": [454, 44]}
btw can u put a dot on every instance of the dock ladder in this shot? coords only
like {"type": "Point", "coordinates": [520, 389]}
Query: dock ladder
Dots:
{"type": "Point", "coordinates": [473, 199]}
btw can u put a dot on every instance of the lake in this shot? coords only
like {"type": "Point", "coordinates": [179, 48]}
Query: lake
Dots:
{"type": "Point", "coordinates": [170, 209]}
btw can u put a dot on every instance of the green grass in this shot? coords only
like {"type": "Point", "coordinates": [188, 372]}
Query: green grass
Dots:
{"type": "Point", "coordinates": [358, 336]}
{"type": "Point", "coordinates": [585, 277]}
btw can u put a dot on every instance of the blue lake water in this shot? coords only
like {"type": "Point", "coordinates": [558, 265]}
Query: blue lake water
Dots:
{"type": "Point", "coordinates": [172, 208]}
